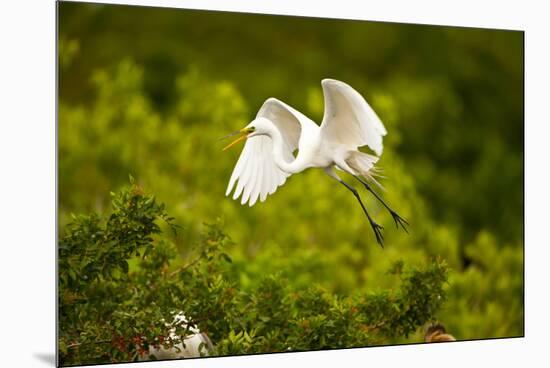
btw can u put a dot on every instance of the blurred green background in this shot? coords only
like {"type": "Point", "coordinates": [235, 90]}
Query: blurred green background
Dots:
{"type": "Point", "coordinates": [148, 92]}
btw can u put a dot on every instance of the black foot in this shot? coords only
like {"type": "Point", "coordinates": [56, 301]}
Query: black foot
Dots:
{"type": "Point", "coordinates": [378, 233]}
{"type": "Point", "coordinates": [399, 221]}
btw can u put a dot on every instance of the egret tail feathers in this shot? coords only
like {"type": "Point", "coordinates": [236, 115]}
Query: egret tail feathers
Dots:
{"type": "Point", "coordinates": [364, 165]}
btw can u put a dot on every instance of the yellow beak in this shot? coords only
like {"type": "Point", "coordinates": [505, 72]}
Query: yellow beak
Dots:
{"type": "Point", "coordinates": [243, 133]}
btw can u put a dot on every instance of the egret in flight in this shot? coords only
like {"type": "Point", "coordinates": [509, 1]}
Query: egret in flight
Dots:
{"type": "Point", "coordinates": [278, 130]}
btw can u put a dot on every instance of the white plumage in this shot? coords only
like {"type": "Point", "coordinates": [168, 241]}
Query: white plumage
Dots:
{"type": "Point", "coordinates": [197, 343]}
{"type": "Point", "coordinates": [348, 118]}
{"type": "Point", "coordinates": [278, 130]}
{"type": "Point", "coordinates": [256, 170]}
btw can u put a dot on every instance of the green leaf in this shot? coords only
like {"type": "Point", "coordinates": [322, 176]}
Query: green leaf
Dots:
{"type": "Point", "coordinates": [226, 257]}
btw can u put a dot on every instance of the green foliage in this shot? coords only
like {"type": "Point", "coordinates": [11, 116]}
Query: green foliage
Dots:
{"type": "Point", "coordinates": [153, 102]}
{"type": "Point", "coordinates": [110, 312]}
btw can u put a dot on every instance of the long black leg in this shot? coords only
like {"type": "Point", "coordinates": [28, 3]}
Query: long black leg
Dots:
{"type": "Point", "coordinates": [375, 227]}
{"type": "Point", "coordinates": [398, 219]}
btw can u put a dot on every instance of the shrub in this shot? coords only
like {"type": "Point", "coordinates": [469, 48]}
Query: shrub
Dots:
{"type": "Point", "coordinates": [120, 279]}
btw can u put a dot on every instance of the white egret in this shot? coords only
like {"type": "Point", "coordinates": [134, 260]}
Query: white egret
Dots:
{"type": "Point", "coordinates": [194, 345]}
{"type": "Point", "coordinates": [278, 130]}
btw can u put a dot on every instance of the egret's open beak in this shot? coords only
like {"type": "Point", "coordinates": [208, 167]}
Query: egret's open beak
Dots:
{"type": "Point", "coordinates": [243, 133]}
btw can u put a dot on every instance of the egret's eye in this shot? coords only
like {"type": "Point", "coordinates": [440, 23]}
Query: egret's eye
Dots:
{"type": "Point", "coordinates": [252, 129]}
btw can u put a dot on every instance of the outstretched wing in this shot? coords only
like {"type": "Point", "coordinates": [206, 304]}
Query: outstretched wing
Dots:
{"type": "Point", "coordinates": [256, 172]}
{"type": "Point", "coordinates": [349, 119]}
{"type": "Point", "coordinates": [288, 120]}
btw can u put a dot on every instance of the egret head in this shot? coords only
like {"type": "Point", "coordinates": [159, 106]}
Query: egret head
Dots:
{"type": "Point", "coordinates": [258, 126]}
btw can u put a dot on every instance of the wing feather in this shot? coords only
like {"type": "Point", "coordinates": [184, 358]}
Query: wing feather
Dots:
{"type": "Point", "coordinates": [256, 175]}
{"type": "Point", "coordinates": [258, 179]}
{"type": "Point", "coordinates": [241, 174]}
{"type": "Point", "coordinates": [251, 172]}
{"type": "Point", "coordinates": [238, 171]}
{"type": "Point", "coordinates": [275, 180]}
{"type": "Point", "coordinates": [266, 183]}
{"type": "Point", "coordinates": [349, 119]}
{"type": "Point", "coordinates": [287, 120]}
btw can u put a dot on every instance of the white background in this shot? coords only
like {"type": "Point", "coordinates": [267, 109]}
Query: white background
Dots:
{"type": "Point", "coordinates": [27, 181]}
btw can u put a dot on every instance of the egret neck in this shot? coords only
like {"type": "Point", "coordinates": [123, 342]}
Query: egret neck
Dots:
{"type": "Point", "coordinates": [278, 156]}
